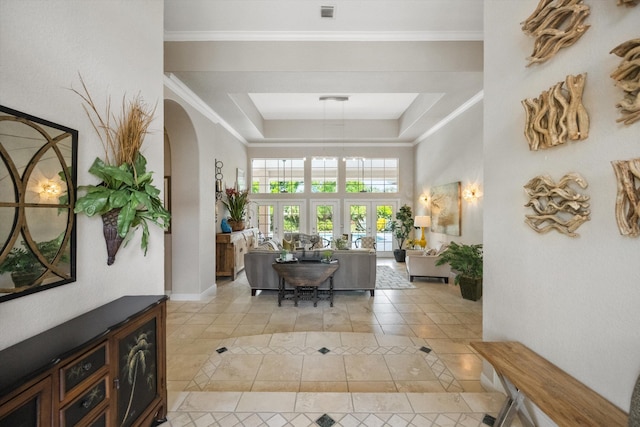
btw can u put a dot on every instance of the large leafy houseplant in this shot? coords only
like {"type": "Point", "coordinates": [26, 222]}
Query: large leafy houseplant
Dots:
{"type": "Point", "coordinates": [126, 197]}
{"type": "Point", "coordinates": [401, 229]}
{"type": "Point", "coordinates": [236, 204]}
{"type": "Point", "coordinates": [467, 262]}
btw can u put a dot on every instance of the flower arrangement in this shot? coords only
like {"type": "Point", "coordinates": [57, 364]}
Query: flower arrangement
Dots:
{"type": "Point", "coordinates": [236, 204]}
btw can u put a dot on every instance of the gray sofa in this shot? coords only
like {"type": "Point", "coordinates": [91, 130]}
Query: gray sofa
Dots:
{"type": "Point", "coordinates": [357, 269]}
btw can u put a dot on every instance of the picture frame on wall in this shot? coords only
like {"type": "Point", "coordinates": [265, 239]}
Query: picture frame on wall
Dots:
{"type": "Point", "coordinates": [446, 209]}
{"type": "Point", "coordinates": [241, 183]}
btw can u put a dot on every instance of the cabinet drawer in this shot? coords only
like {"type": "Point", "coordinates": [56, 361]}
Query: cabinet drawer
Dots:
{"type": "Point", "coordinates": [82, 406]}
{"type": "Point", "coordinates": [101, 420]}
{"type": "Point", "coordinates": [82, 368]}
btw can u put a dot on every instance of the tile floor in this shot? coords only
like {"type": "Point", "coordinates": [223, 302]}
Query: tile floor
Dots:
{"type": "Point", "coordinates": [399, 358]}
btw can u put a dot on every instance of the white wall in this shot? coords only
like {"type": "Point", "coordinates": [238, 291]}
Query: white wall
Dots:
{"type": "Point", "coordinates": [575, 301]}
{"type": "Point", "coordinates": [196, 141]}
{"type": "Point", "coordinates": [117, 47]}
{"type": "Point", "coordinates": [453, 153]}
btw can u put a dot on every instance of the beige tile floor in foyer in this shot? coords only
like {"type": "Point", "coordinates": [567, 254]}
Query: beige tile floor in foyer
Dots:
{"type": "Point", "coordinates": [400, 358]}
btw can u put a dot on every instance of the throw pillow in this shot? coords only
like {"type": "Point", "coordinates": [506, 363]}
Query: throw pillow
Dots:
{"type": "Point", "coordinates": [443, 248]}
{"type": "Point", "coordinates": [287, 245]}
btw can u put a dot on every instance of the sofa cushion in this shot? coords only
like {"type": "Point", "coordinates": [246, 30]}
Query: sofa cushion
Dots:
{"type": "Point", "coordinates": [269, 245]}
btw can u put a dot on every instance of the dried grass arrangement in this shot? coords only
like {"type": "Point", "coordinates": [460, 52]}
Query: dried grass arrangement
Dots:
{"type": "Point", "coordinates": [121, 136]}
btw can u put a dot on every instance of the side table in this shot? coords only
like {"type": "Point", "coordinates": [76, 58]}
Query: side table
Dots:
{"type": "Point", "coordinates": [305, 277]}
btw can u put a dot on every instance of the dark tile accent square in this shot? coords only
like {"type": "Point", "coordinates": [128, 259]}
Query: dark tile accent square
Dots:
{"type": "Point", "coordinates": [488, 420]}
{"type": "Point", "coordinates": [324, 350]}
{"type": "Point", "coordinates": [325, 421]}
{"type": "Point", "coordinates": [425, 349]}
{"type": "Point", "coordinates": [221, 350]}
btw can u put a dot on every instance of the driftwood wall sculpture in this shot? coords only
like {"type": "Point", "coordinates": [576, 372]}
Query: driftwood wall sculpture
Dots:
{"type": "Point", "coordinates": [627, 77]}
{"type": "Point", "coordinates": [627, 2]}
{"type": "Point", "coordinates": [555, 24]}
{"type": "Point", "coordinates": [628, 198]}
{"type": "Point", "coordinates": [557, 206]}
{"type": "Point", "coordinates": [556, 115]}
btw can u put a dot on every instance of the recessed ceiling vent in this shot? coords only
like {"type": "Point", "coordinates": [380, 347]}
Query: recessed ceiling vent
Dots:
{"type": "Point", "coordinates": [327, 11]}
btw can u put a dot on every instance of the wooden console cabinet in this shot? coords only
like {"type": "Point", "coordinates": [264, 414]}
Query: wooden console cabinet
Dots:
{"type": "Point", "coordinates": [106, 368]}
{"type": "Point", "coordinates": [230, 250]}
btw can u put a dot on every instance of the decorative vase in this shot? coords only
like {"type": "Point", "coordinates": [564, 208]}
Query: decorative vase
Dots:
{"type": "Point", "coordinates": [111, 236]}
{"type": "Point", "coordinates": [236, 225]}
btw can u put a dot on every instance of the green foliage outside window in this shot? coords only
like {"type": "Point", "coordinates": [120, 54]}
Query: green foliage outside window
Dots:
{"type": "Point", "coordinates": [324, 187]}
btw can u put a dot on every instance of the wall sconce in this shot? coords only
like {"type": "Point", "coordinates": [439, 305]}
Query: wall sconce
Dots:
{"type": "Point", "coordinates": [219, 189]}
{"type": "Point", "coordinates": [471, 193]}
{"type": "Point", "coordinates": [422, 222]}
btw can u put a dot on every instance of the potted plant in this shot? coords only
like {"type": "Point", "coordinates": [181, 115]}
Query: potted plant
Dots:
{"type": "Point", "coordinates": [126, 197]}
{"type": "Point", "coordinates": [401, 229]}
{"type": "Point", "coordinates": [236, 204]}
{"type": "Point", "coordinates": [24, 266]}
{"type": "Point", "coordinates": [466, 261]}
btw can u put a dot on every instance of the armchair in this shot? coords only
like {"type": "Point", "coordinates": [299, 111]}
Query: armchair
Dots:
{"type": "Point", "coordinates": [420, 265]}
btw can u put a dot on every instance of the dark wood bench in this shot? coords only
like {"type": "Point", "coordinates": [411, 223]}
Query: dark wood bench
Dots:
{"type": "Point", "coordinates": [567, 401]}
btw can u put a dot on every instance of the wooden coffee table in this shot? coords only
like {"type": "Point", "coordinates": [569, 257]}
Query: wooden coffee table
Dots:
{"type": "Point", "coordinates": [305, 277]}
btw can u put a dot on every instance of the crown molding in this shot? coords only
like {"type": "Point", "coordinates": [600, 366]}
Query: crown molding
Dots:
{"type": "Point", "coordinates": [455, 113]}
{"type": "Point", "coordinates": [297, 144]}
{"type": "Point", "coordinates": [176, 85]}
{"type": "Point", "coordinates": [183, 36]}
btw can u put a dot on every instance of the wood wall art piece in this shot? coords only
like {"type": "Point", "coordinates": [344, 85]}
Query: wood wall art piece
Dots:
{"type": "Point", "coordinates": [628, 198]}
{"type": "Point", "coordinates": [445, 209]}
{"type": "Point", "coordinates": [627, 2]}
{"type": "Point", "coordinates": [557, 206]}
{"type": "Point", "coordinates": [627, 77]}
{"type": "Point", "coordinates": [557, 114]}
{"type": "Point", "coordinates": [555, 24]}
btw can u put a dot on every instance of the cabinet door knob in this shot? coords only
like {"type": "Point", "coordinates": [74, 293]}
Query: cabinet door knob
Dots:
{"type": "Point", "coordinates": [116, 383]}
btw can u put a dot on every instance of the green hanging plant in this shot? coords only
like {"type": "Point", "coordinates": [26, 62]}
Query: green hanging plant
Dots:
{"type": "Point", "coordinates": [126, 188]}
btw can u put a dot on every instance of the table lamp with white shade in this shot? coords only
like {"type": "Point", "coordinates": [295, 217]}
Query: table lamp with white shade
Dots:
{"type": "Point", "coordinates": [422, 222]}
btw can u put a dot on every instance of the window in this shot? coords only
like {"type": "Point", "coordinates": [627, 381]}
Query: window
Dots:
{"type": "Point", "coordinates": [277, 175]}
{"type": "Point", "coordinates": [371, 175]}
{"type": "Point", "coordinates": [324, 175]}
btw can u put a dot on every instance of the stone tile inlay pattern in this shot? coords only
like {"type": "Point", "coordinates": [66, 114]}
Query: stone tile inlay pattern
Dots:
{"type": "Point", "coordinates": [440, 371]}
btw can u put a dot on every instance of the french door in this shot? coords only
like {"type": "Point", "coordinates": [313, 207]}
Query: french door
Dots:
{"type": "Point", "coordinates": [275, 218]}
{"type": "Point", "coordinates": [370, 218]}
{"type": "Point", "coordinates": [325, 219]}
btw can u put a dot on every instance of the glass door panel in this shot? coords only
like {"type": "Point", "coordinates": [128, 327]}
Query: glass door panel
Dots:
{"type": "Point", "coordinates": [325, 220]}
{"type": "Point", "coordinates": [371, 218]}
{"type": "Point", "coordinates": [274, 218]}
{"type": "Point", "coordinates": [265, 221]}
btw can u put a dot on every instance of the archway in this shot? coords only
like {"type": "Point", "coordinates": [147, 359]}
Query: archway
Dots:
{"type": "Point", "coordinates": [184, 264]}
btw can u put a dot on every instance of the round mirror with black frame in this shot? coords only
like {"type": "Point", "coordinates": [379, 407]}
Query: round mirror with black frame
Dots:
{"type": "Point", "coordinates": [37, 197]}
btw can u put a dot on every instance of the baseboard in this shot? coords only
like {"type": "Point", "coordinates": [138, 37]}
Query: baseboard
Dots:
{"type": "Point", "coordinates": [193, 297]}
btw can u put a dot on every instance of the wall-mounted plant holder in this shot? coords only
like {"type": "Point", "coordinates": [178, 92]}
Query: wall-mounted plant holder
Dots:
{"type": "Point", "coordinates": [219, 185]}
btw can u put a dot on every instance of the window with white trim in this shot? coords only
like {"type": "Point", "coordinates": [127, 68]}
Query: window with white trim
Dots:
{"type": "Point", "coordinates": [374, 175]}
{"type": "Point", "coordinates": [269, 176]}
